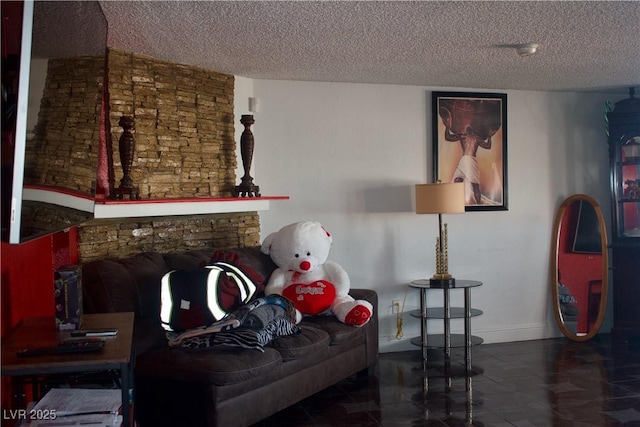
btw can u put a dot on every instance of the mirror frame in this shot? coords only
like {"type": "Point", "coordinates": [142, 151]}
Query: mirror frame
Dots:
{"type": "Point", "coordinates": [21, 123]}
{"type": "Point", "coordinates": [554, 266]}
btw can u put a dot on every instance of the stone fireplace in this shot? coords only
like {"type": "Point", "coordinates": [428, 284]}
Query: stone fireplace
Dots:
{"type": "Point", "coordinates": [185, 147]}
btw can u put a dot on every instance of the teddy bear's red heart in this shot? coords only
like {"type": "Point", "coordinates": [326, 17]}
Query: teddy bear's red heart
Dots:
{"type": "Point", "coordinates": [311, 298]}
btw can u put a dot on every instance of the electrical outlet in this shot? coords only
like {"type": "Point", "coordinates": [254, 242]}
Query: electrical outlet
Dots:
{"type": "Point", "coordinates": [395, 307]}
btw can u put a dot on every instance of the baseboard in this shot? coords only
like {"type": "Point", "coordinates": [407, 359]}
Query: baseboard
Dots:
{"type": "Point", "coordinates": [389, 344]}
{"type": "Point", "coordinates": [520, 333]}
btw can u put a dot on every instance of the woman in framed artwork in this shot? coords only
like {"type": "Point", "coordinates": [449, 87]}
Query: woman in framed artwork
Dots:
{"type": "Point", "coordinates": [477, 123]}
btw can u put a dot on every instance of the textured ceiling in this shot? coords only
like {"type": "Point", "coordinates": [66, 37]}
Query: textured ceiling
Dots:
{"type": "Point", "coordinates": [68, 28]}
{"type": "Point", "coordinates": [590, 45]}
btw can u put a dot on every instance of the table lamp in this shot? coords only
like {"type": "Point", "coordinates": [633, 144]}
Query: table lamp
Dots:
{"type": "Point", "coordinates": [440, 198]}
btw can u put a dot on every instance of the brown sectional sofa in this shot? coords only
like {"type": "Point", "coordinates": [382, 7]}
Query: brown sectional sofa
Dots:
{"type": "Point", "coordinates": [220, 386]}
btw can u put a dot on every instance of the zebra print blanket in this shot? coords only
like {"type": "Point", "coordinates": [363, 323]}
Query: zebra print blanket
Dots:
{"type": "Point", "coordinates": [252, 326]}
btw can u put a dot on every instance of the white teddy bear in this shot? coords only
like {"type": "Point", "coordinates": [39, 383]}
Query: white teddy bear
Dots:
{"type": "Point", "coordinates": [304, 275]}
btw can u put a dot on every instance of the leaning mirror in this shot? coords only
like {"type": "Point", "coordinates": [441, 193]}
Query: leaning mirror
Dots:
{"type": "Point", "coordinates": [579, 267]}
{"type": "Point", "coordinates": [58, 125]}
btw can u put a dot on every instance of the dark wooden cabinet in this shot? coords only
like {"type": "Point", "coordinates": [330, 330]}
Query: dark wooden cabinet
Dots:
{"type": "Point", "coordinates": [624, 153]}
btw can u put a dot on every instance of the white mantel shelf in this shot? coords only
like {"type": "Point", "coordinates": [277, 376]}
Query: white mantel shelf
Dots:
{"type": "Point", "coordinates": [108, 208]}
{"type": "Point", "coordinates": [104, 209]}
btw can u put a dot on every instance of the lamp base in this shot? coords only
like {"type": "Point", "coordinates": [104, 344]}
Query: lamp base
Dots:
{"type": "Point", "coordinates": [442, 280]}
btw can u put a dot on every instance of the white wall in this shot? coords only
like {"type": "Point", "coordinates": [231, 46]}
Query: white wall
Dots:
{"type": "Point", "coordinates": [348, 155]}
{"type": "Point", "coordinates": [243, 89]}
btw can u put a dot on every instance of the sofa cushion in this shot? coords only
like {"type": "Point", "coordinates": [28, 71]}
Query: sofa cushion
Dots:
{"type": "Point", "coordinates": [249, 257]}
{"type": "Point", "coordinates": [309, 341]}
{"type": "Point", "coordinates": [123, 285]}
{"type": "Point", "coordinates": [98, 293]}
{"type": "Point", "coordinates": [148, 335]}
{"type": "Point", "coordinates": [147, 269]}
{"type": "Point", "coordinates": [219, 366]}
{"type": "Point", "coordinates": [189, 259]}
{"type": "Point", "coordinates": [339, 333]}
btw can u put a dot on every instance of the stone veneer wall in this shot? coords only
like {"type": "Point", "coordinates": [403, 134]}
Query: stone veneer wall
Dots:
{"type": "Point", "coordinates": [63, 151]}
{"type": "Point", "coordinates": [185, 147]}
{"type": "Point", "coordinates": [184, 126]}
{"type": "Point", "coordinates": [124, 237]}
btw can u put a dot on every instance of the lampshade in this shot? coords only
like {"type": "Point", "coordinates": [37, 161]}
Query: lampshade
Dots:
{"type": "Point", "coordinates": [440, 198]}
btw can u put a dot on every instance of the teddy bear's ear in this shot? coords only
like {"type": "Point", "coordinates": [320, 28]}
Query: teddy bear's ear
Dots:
{"type": "Point", "coordinates": [266, 244]}
{"type": "Point", "coordinates": [329, 235]}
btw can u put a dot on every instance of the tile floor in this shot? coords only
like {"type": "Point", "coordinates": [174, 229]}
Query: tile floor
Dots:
{"type": "Point", "coordinates": [552, 382]}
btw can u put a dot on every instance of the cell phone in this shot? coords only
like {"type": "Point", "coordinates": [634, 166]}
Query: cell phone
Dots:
{"type": "Point", "coordinates": [95, 333]}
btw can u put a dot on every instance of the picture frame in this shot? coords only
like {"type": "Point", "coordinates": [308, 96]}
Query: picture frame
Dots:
{"type": "Point", "coordinates": [470, 146]}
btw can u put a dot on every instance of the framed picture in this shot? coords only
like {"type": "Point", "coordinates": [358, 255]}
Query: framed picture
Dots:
{"type": "Point", "coordinates": [470, 146]}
